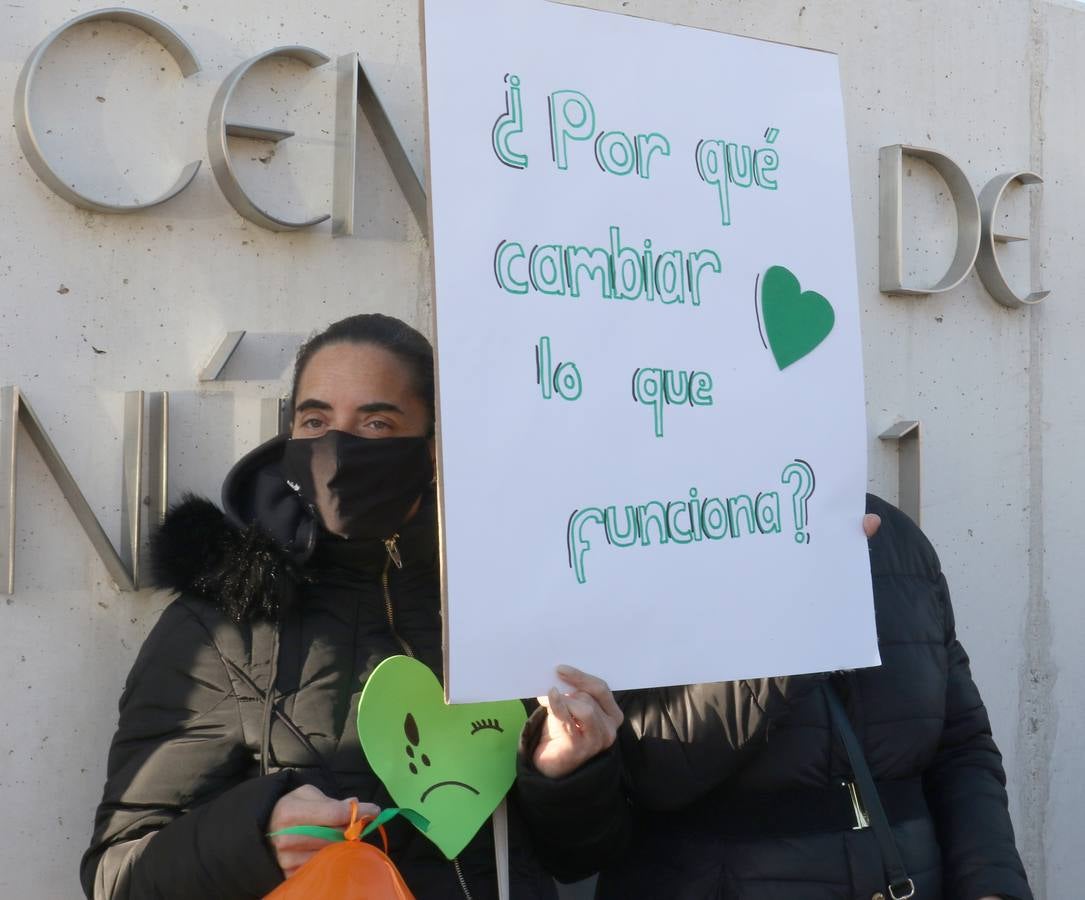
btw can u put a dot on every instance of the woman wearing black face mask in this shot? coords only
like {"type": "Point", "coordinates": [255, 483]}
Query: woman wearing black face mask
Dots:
{"type": "Point", "coordinates": [238, 717]}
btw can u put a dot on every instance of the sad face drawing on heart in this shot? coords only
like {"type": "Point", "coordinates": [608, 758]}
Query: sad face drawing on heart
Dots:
{"type": "Point", "coordinates": [419, 762]}
{"type": "Point", "coordinates": [451, 763]}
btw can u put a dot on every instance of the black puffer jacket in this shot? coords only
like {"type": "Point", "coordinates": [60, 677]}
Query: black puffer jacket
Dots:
{"type": "Point", "coordinates": [731, 783]}
{"type": "Point", "coordinates": [185, 806]}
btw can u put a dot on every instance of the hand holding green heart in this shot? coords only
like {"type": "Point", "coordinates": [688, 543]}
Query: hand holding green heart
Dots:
{"type": "Point", "coordinates": [580, 723]}
{"type": "Point", "coordinates": [451, 763]}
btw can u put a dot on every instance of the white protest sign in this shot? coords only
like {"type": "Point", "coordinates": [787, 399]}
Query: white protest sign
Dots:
{"type": "Point", "coordinates": [650, 380]}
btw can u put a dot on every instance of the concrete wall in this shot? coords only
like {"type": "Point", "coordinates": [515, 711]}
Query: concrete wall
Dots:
{"type": "Point", "coordinates": [93, 305]}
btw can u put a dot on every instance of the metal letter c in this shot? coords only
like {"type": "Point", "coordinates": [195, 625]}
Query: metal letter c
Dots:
{"type": "Point", "coordinates": [24, 126]}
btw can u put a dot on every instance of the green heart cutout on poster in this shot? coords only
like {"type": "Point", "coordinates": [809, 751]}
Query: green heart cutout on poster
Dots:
{"type": "Point", "coordinates": [796, 321]}
{"type": "Point", "coordinates": [453, 764]}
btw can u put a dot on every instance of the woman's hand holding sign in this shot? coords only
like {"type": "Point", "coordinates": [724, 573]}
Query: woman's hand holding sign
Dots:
{"type": "Point", "coordinates": [580, 723]}
{"type": "Point", "coordinates": [584, 721]}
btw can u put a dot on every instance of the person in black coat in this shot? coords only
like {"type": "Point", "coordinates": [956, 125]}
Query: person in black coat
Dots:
{"type": "Point", "coordinates": [238, 717]}
{"type": "Point", "coordinates": [740, 789]}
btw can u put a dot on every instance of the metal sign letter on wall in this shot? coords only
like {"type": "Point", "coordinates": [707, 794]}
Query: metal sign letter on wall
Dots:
{"type": "Point", "coordinates": [905, 435]}
{"type": "Point", "coordinates": [219, 132]}
{"type": "Point", "coordinates": [24, 124]}
{"type": "Point", "coordinates": [891, 232]}
{"type": "Point", "coordinates": [987, 265]}
{"type": "Point", "coordinates": [354, 90]}
{"type": "Point", "coordinates": [143, 455]}
{"type": "Point", "coordinates": [976, 237]}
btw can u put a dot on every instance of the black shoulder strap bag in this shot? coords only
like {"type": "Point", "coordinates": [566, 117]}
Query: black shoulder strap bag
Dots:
{"type": "Point", "coordinates": [901, 887]}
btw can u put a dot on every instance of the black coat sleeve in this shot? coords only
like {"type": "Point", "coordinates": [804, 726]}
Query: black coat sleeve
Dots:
{"type": "Point", "coordinates": [179, 818]}
{"type": "Point", "coordinates": [675, 745]}
{"type": "Point", "coordinates": [679, 743]}
{"type": "Point", "coordinates": [579, 823]}
{"type": "Point", "coordinates": [966, 790]}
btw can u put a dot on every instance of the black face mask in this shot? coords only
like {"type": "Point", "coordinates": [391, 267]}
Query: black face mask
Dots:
{"type": "Point", "coordinates": [361, 487]}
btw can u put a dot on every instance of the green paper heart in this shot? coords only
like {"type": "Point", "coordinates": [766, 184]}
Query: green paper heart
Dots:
{"type": "Point", "coordinates": [453, 764]}
{"type": "Point", "coordinates": [796, 321]}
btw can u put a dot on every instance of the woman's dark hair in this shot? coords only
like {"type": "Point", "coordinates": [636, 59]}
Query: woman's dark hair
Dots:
{"type": "Point", "coordinates": [388, 332]}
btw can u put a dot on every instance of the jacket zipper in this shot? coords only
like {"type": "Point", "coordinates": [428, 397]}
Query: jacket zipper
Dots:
{"type": "Point", "coordinates": [392, 546]}
{"type": "Point", "coordinates": [393, 557]}
{"type": "Point", "coordinates": [463, 881]}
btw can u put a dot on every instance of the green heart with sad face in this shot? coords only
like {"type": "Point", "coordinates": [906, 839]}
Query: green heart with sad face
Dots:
{"type": "Point", "coordinates": [796, 321]}
{"type": "Point", "coordinates": [453, 764]}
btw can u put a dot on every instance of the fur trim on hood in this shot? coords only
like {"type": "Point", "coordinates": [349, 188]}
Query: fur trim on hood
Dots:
{"type": "Point", "coordinates": [246, 560]}
{"type": "Point", "coordinates": [241, 569]}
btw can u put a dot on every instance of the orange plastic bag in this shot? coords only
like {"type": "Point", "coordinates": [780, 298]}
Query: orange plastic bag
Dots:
{"type": "Point", "coordinates": [348, 869]}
